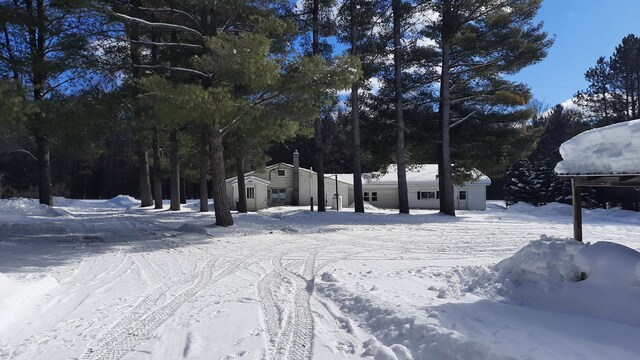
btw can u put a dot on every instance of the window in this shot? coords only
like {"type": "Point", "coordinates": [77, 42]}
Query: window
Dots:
{"type": "Point", "coordinates": [428, 195]}
{"type": "Point", "coordinates": [281, 172]}
{"type": "Point", "coordinates": [251, 192]}
{"type": "Point", "coordinates": [278, 196]}
{"type": "Point", "coordinates": [462, 195]}
{"type": "Point", "coordinates": [374, 196]}
{"type": "Point", "coordinates": [366, 196]}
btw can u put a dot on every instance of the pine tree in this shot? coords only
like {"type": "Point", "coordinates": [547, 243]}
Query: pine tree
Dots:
{"type": "Point", "coordinates": [613, 93]}
{"type": "Point", "coordinates": [355, 25]}
{"type": "Point", "coordinates": [518, 185]}
{"type": "Point", "coordinates": [237, 56]}
{"type": "Point", "coordinates": [598, 99]}
{"type": "Point", "coordinates": [41, 50]}
{"type": "Point", "coordinates": [480, 42]}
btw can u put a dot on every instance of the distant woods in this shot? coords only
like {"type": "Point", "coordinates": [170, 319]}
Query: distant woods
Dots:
{"type": "Point", "coordinates": [166, 99]}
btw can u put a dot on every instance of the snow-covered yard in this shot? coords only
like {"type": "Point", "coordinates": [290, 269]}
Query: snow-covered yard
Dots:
{"type": "Point", "coordinates": [104, 280]}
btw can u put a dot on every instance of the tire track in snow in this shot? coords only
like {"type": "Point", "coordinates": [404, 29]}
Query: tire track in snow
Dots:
{"type": "Point", "coordinates": [289, 327]}
{"type": "Point", "coordinates": [141, 321]}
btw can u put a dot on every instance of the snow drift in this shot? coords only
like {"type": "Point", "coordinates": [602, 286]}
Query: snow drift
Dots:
{"type": "Point", "coordinates": [610, 149]}
{"type": "Point", "coordinates": [600, 280]}
{"type": "Point", "coordinates": [29, 207]}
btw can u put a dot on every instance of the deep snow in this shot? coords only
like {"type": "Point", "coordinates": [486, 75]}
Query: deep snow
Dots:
{"type": "Point", "coordinates": [104, 279]}
{"type": "Point", "coordinates": [610, 149]}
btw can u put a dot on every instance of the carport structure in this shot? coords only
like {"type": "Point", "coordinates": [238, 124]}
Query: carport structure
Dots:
{"type": "Point", "coordinates": [579, 181]}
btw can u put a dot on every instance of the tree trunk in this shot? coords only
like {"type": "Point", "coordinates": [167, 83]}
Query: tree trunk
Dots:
{"type": "Point", "coordinates": [242, 190]}
{"type": "Point", "coordinates": [157, 176]}
{"type": "Point", "coordinates": [44, 171]}
{"type": "Point", "coordinates": [318, 122]}
{"type": "Point", "coordinates": [37, 32]}
{"type": "Point", "coordinates": [447, 205]}
{"type": "Point", "coordinates": [183, 191]}
{"type": "Point", "coordinates": [143, 173]}
{"type": "Point", "coordinates": [355, 120]}
{"type": "Point", "coordinates": [220, 200]}
{"type": "Point", "coordinates": [403, 197]}
{"type": "Point", "coordinates": [175, 171]}
{"type": "Point", "coordinates": [204, 162]}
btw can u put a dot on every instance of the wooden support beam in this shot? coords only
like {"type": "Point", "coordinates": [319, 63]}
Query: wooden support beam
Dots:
{"type": "Point", "coordinates": [577, 210]}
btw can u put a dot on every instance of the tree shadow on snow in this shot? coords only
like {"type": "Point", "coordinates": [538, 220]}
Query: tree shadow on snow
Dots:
{"type": "Point", "coordinates": [39, 242]}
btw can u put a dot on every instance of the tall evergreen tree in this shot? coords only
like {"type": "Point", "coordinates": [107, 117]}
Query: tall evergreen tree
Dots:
{"type": "Point", "coordinates": [318, 23]}
{"type": "Point", "coordinates": [625, 66]}
{"type": "Point", "coordinates": [399, 12]}
{"type": "Point", "coordinates": [42, 50]}
{"type": "Point", "coordinates": [355, 25]}
{"type": "Point", "coordinates": [613, 93]}
{"type": "Point", "coordinates": [239, 55]}
{"type": "Point", "coordinates": [480, 42]}
{"type": "Point", "coordinates": [599, 98]}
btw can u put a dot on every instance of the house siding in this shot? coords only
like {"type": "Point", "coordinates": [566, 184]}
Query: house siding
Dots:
{"type": "Point", "coordinates": [387, 195]}
{"type": "Point", "coordinates": [477, 195]}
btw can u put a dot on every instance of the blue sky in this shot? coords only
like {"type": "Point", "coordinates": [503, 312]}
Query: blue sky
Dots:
{"type": "Point", "coordinates": [584, 30]}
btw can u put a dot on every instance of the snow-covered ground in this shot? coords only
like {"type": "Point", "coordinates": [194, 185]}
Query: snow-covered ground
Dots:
{"type": "Point", "coordinates": [106, 280]}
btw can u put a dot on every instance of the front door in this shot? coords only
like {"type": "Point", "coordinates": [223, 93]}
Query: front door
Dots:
{"type": "Point", "coordinates": [462, 200]}
{"type": "Point", "coordinates": [251, 198]}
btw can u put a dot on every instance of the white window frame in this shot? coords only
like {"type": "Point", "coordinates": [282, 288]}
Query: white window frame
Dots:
{"type": "Point", "coordinates": [251, 192]}
{"type": "Point", "coordinates": [427, 195]}
{"type": "Point", "coordinates": [365, 196]}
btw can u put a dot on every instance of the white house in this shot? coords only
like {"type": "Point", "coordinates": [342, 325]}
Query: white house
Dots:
{"type": "Point", "coordinates": [286, 184]}
{"type": "Point", "coordinates": [276, 185]}
{"type": "Point", "coordinates": [381, 189]}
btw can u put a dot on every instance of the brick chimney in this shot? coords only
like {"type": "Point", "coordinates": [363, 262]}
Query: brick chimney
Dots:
{"type": "Point", "coordinates": [296, 178]}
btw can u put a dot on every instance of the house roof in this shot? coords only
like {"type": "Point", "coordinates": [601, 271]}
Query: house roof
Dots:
{"type": "Point", "coordinates": [281, 165]}
{"type": "Point", "coordinates": [416, 174]}
{"type": "Point", "coordinates": [249, 178]}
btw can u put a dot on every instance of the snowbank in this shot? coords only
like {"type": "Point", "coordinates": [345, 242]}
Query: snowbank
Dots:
{"type": "Point", "coordinates": [564, 278]}
{"type": "Point", "coordinates": [553, 209]}
{"type": "Point", "coordinates": [29, 207]}
{"type": "Point", "coordinates": [600, 280]}
{"type": "Point", "coordinates": [610, 149]}
{"type": "Point", "coordinates": [122, 201]}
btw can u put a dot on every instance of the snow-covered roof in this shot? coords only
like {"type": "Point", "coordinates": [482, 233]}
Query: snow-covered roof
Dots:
{"type": "Point", "coordinates": [422, 173]}
{"type": "Point", "coordinates": [613, 149]}
{"type": "Point", "coordinates": [249, 178]}
{"type": "Point", "coordinates": [281, 165]}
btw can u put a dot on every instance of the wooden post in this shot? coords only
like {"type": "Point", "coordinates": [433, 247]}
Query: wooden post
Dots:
{"type": "Point", "coordinates": [311, 203]}
{"type": "Point", "coordinates": [577, 210]}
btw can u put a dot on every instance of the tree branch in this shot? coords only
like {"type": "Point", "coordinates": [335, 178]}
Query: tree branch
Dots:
{"type": "Point", "coordinates": [167, 44]}
{"type": "Point", "coordinates": [256, 103]}
{"type": "Point", "coordinates": [173, 68]}
{"type": "Point", "coordinates": [157, 25]}
{"type": "Point", "coordinates": [463, 119]}
{"type": "Point", "coordinates": [21, 150]}
{"type": "Point", "coordinates": [177, 11]}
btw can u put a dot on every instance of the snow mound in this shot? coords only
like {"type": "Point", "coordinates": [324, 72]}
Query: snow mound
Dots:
{"type": "Point", "coordinates": [122, 201]}
{"type": "Point", "coordinates": [610, 149]}
{"type": "Point", "coordinates": [552, 209]}
{"type": "Point", "coordinates": [29, 207]}
{"type": "Point", "coordinates": [195, 205]}
{"type": "Point", "coordinates": [193, 228]}
{"type": "Point", "coordinates": [600, 280]}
